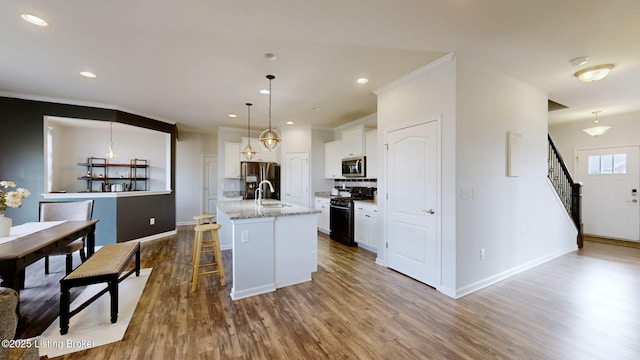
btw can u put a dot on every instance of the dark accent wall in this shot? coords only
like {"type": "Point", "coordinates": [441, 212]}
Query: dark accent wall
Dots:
{"type": "Point", "coordinates": [22, 161]}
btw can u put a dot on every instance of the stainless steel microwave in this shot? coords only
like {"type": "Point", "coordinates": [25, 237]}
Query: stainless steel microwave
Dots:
{"type": "Point", "coordinates": [354, 166]}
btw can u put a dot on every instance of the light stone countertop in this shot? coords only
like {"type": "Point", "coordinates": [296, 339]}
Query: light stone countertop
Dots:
{"type": "Point", "coordinates": [248, 209]}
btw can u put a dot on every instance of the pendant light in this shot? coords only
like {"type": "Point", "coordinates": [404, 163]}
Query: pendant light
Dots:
{"type": "Point", "coordinates": [111, 154]}
{"type": "Point", "coordinates": [596, 130]}
{"type": "Point", "coordinates": [270, 138]}
{"type": "Point", "coordinates": [248, 152]}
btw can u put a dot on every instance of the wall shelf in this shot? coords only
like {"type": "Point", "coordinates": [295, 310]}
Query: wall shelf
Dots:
{"type": "Point", "coordinates": [100, 171]}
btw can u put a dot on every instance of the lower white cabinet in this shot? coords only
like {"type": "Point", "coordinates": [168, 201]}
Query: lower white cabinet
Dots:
{"type": "Point", "coordinates": [366, 225]}
{"type": "Point", "coordinates": [323, 204]}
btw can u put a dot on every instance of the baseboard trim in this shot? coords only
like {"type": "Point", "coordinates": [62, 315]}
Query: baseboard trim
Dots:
{"type": "Point", "coordinates": [466, 290]}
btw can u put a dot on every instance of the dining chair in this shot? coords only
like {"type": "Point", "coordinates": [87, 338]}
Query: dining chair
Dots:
{"type": "Point", "coordinates": [72, 210]}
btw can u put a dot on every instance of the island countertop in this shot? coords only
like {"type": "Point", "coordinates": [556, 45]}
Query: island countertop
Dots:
{"type": "Point", "coordinates": [248, 209]}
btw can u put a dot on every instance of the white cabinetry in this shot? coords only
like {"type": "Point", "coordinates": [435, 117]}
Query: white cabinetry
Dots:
{"type": "Point", "coordinates": [232, 160]}
{"type": "Point", "coordinates": [371, 145]}
{"type": "Point", "coordinates": [262, 154]}
{"type": "Point", "coordinates": [366, 225]}
{"type": "Point", "coordinates": [333, 159]}
{"type": "Point", "coordinates": [353, 142]}
{"type": "Point", "coordinates": [323, 204]}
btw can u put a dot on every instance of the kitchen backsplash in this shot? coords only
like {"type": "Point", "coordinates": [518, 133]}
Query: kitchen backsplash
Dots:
{"type": "Point", "coordinates": [349, 183]}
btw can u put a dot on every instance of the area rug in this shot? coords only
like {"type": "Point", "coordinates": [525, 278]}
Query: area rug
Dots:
{"type": "Point", "coordinates": [92, 326]}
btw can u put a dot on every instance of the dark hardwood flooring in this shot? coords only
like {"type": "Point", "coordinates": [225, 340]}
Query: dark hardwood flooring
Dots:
{"type": "Point", "coordinates": [583, 305]}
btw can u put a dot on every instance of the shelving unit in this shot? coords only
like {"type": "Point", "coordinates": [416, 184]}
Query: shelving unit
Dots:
{"type": "Point", "coordinates": [100, 171]}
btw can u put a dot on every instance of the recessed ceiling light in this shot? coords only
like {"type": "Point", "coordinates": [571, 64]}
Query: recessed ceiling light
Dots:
{"type": "Point", "coordinates": [271, 56]}
{"type": "Point", "coordinates": [35, 20]}
{"type": "Point", "coordinates": [232, 116]}
{"type": "Point", "coordinates": [264, 92]}
{"type": "Point", "coordinates": [362, 81]}
{"type": "Point", "coordinates": [88, 74]}
{"type": "Point", "coordinates": [289, 122]}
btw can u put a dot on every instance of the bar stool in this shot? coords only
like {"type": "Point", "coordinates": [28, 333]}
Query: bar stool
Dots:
{"type": "Point", "coordinates": [200, 220]}
{"type": "Point", "coordinates": [213, 246]}
{"type": "Point", "coordinates": [203, 219]}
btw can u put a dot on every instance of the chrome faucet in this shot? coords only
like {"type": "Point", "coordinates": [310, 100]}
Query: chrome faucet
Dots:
{"type": "Point", "coordinates": [260, 193]}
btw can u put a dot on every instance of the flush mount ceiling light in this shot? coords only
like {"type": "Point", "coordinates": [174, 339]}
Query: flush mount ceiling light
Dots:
{"type": "Point", "coordinates": [111, 154]}
{"type": "Point", "coordinates": [596, 130]}
{"type": "Point", "coordinates": [270, 138]}
{"type": "Point", "coordinates": [594, 73]}
{"type": "Point", "coordinates": [248, 152]}
{"type": "Point", "coordinates": [362, 81]}
{"type": "Point", "coordinates": [35, 20]}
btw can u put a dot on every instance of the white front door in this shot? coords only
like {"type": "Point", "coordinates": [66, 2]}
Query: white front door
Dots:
{"type": "Point", "coordinates": [209, 184]}
{"type": "Point", "coordinates": [610, 186]}
{"type": "Point", "coordinates": [412, 202]}
{"type": "Point", "coordinates": [296, 178]}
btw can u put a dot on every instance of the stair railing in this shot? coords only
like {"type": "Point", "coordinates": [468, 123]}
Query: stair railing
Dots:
{"type": "Point", "coordinates": [569, 191]}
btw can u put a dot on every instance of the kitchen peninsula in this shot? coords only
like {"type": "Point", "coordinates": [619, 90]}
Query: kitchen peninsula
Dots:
{"type": "Point", "coordinates": [274, 244]}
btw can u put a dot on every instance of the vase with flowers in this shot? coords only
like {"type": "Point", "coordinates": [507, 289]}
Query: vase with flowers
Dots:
{"type": "Point", "coordinates": [9, 199]}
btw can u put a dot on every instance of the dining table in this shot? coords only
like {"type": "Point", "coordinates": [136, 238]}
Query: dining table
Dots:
{"type": "Point", "coordinates": [31, 242]}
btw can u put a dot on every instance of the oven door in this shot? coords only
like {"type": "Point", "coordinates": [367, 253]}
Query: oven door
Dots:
{"type": "Point", "coordinates": [341, 224]}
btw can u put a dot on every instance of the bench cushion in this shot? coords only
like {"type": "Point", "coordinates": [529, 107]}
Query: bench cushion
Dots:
{"type": "Point", "coordinates": [110, 259]}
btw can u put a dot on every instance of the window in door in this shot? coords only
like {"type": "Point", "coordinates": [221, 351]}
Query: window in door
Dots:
{"type": "Point", "coordinates": [607, 164]}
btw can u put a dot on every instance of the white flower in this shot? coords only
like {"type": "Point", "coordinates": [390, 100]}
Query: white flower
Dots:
{"type": "Point", "coordinates": [11, 199]}
{"type": "Point", "coordinates": [7, 184]}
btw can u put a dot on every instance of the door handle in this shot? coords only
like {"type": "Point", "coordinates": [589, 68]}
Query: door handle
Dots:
{"type": "Point", "coordinates": [634, 200]}
{"type": "Point", "coordinates": [430, 211]}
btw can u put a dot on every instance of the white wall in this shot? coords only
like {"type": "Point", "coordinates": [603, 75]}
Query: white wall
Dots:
{"type": "Point", "coordinates": [73, 144]}
{"type": "Point", "coordinates": [190, 149]}
{"type": "Point", "coordinates": [422, 95]}
{"type": "Point", "coordinates": [569, 137]}
{"type": "Point", "coordinates": [518, 220]}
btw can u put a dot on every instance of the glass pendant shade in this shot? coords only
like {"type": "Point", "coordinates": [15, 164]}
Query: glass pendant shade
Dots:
{"type": "Point", "coordinates": [270, 138]}
{"type": "Point", "coordinates": [248, 152]}
{"type": "Point", "coordinates": [111, 153]}
{"type": "Point", "coordinates": [596, 130]}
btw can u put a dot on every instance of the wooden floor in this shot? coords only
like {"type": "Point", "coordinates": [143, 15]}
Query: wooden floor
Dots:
{"type": "Point", "coordinates": [584, 305]}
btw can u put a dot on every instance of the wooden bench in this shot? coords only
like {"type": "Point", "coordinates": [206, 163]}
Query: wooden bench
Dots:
{"type": "Point", "coordinates": [106, 265]}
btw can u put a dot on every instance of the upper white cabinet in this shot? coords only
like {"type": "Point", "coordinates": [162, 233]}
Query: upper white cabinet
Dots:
{"type": "Point", "coordinates": [262, 155]}
{"type": "Point", "coordinates": [333, 159]}
{"type": "Point", "coordinates": [353, 142]}
{"type": "Point", "coordinates": [232, 160]}
{"type": "Point", "coordinates": [371, 146]}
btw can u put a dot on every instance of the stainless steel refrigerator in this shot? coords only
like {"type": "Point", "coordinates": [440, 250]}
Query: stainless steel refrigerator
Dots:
{"type": "Point", "coordinates": [254, 172]}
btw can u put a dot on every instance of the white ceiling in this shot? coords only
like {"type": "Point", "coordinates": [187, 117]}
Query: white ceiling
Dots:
{"type": "Point", "coordinates": [193, 62]}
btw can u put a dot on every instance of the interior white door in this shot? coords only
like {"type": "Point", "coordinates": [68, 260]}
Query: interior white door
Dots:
{"type": "Point", "coordinates": [412, 202]}
{"type": "Point", "coordinates": [610, 184]}
{"type": "Point", "coordinates": [296, 178]}
{"type": "Point", "coordinates": [209, 184]}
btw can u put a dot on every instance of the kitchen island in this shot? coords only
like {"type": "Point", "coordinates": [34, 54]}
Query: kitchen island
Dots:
{"type": "Point", "coordinates": [274, 245]}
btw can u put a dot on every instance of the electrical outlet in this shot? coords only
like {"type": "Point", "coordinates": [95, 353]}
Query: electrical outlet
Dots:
{"type": "Point", "coordinates": [152, 221]}
{"type": "Point", "coordinates": [483, 254]}
{"type": "Point", "coordinates": [244, 236]}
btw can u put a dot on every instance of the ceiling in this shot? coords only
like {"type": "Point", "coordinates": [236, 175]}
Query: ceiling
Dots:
{"type": "Point", "coordinates": [194, 62]}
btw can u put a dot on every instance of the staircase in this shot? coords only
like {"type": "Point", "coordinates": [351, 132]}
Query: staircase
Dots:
{"type": "Point", "coordinates": [568, 191]}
